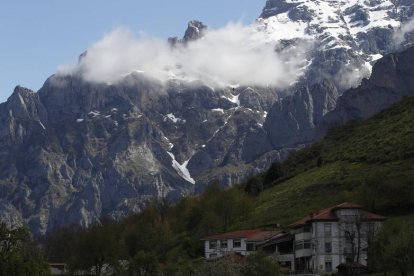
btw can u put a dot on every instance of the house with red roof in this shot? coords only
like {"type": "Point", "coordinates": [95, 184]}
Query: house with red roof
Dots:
{"type": "Point", "coordinates": [326, 239]}
{"type": "Point", "coordinates": [241, 242]}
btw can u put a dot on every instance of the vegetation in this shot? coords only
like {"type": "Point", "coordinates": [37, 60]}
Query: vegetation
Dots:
{"type": "Point", "coordinates": [257, 264]}
{"type": "Point", "coordinates": [393, 248]}
{"type": "Point", "coordinates": [18, 254]}
{"type": "Point", "coordinates": [161, 237]}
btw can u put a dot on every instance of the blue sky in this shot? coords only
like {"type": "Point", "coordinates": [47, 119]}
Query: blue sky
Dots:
{"type": "Point", "coordinates": [39, 36]}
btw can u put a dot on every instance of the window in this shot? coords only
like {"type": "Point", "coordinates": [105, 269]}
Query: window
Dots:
{"type": "Point", "coordinates": [237, 243]}
{"type": "Point", "coordinates": [328, 229]}
{"type": "Point", "coordinates": [307, 244]}
{"type": "Point", "coordinates": [328, 247]}
{"type": "Point", "coordinates": [250, 247]}
{"type": "Point", "coordinates": [298, 245]}
{"type": "Point", "coordinates": [223, 244]}
{"type": "Point", "coordinates": [212, 245]}
{"type": "Point", "coordinates": [328, 266]}
{"type": "Point", "coordinates": [370, 230]}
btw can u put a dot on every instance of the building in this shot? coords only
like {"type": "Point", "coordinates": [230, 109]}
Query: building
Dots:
{"type": "Point", "coordinates": [240, 242]}
{"type": "Point", "coordinates": [58, 268]}
{"type": "Point", "coordinates": [326, 239]}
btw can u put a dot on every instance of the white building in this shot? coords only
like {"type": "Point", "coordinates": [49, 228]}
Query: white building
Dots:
{"type": "Point", "coordinates": [240, 242]}
{"type": "Point", "coordinates": [327, 238]}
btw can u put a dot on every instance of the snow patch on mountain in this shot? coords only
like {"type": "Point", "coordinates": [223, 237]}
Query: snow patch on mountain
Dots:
{"type": "Point", "coordinates": [174, 119]}
{"type": "Point", "coordinates": [234, 99]}
{"type": "Point", "coordinates": [181, 169]}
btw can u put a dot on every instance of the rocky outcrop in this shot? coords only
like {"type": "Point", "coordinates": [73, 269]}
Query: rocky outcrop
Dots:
{"type": "Point", "coordinates": [195, 30]}
{"type": "Point", "coordinates": [391, 81]}
{"type": "Point", "coordinates": [291, 121]}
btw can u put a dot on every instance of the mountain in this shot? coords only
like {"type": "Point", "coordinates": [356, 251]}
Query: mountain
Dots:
{"type": "Point", "coordinates": [77, 151]}
{"type": "Point", "coordinates": [349, 37]}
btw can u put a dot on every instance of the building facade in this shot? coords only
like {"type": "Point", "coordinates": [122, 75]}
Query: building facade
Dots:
{"type": "Point", "coordinates": [241, 242]}
{"type": "Point", "coordinates": [327, 238]}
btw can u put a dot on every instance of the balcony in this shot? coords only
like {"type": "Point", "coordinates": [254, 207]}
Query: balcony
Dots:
{"type": "Point", "coordinates": [286, 258]}
{"type": "Point", "coordinates": [303, 236]}
{"type": "Point", "coordinates": [303, 253]}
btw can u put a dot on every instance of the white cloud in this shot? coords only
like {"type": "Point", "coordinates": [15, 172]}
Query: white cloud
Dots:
{"type": "Point", "coordinates": [351, 76]}
{"type": "Point", "coordinates": [399, 34]}
{"type": "Point", "coordinates": [233, 54]}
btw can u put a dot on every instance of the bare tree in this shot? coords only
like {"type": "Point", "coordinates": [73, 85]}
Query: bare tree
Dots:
{"type": "Point", "coordinates": [352, 232]}
{"type": "Point", "coordinates": [358, 234]}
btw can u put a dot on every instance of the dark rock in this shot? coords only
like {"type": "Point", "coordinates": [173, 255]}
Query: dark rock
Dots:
{"type": "Point", "coordinates": [301, 14]}
{"type": "Point", "coordinates": [194, 31]}
{"type": "Point", "coordinates": [274, 7]}
{"type": "Point", "coordinates": [292, 120]}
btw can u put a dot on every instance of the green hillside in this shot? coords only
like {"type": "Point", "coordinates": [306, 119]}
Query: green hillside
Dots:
{"type": "Point", "coordinates": [371, 163]}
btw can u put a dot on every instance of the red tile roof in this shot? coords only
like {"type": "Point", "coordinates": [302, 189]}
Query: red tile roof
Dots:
{"type": "Point", "coordinates": [254, 235]}
{"type": "Point", "coordinates": [347, 205]}
{"type": "Point", "coordinates": [234, 235]}
{"type": "Point", "coordinates": [263, 236]}
{"type": "Point", "coordinates": [328, 214]}
{"type": "Point", "coordinates": [371, 216]}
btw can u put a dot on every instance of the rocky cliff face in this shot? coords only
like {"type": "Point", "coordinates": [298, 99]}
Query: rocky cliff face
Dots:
{"type": "Point", "coordinates": [299, 114]}
{"type": "Point", "coordinates": [390, 82]}
{"type": "Point", "coordinates": [76, 151]}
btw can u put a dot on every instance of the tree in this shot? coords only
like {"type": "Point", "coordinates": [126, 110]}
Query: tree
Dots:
{"type": "Point", "coordinates": [221, 267]}
{"type": "Point", "coordinates": [393, 249]}
{"type": "Point", "coordinates": [358, 235]}
{"type": "Point", "coordinates": [275, 172]}
{"type": "Point", "coordinates": [352, 231]}
{"type": "Point", "coordinates": [259, 263]}
{"type": "Point", "coordinates": [255, 264]}
{"type": "Point", "coordinates": [230, 206]}
{"type": "Point", "coordinates": [18, 254]}
{"type": "Point", "coordinates": [217, 209]}
{"type": "Point", "coordinates": [149, 233]}
{"type": "Point", "coordinates": [144, 264]}
{"type": "Point", "coordinates": [254, 186]}
{"type": "Point", "coordinates": [96, 247]}
{"type": "Point", "coordinates": [59, 244]}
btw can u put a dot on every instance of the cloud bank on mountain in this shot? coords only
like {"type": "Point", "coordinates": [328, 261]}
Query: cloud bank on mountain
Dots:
{"type": "Point", "coordinates": [399, 34]}
{"type": "Point", "coordinates": [235, 54]}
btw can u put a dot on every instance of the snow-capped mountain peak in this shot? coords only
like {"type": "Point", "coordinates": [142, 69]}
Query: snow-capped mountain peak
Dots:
{"type": "Point", "coordinates": [350, 33]}
{"type": "Point", "coordinates": [338, 21]}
